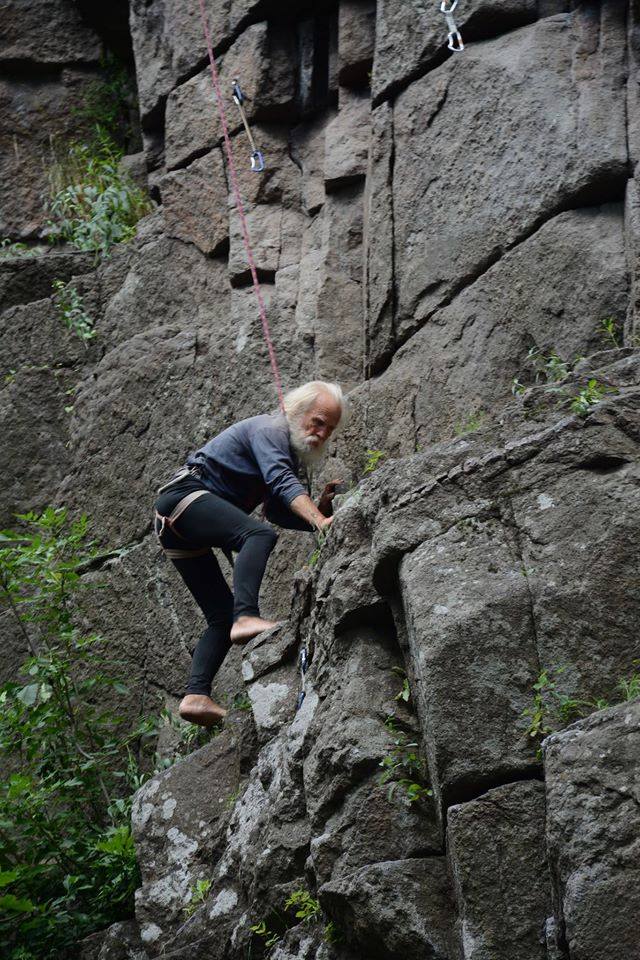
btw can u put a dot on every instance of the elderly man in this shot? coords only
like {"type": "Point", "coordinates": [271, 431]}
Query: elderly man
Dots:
{"type": "Point", "coordinates": [207, 504]}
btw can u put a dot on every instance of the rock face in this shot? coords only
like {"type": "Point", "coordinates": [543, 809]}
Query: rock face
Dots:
{"type": "Point", "coordinates": [48, 57]}
{"type": "Point", "coordinates": [428, 228]}
{"type": "Point", "coordinates": [593, 835]}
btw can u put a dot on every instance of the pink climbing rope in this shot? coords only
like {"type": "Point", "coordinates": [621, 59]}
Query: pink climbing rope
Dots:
{"type": "Point", "coordinates": [240, 207]}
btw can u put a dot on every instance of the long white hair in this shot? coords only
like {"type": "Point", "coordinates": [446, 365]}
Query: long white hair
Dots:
{"type": "Point", "coordinates": [297, 402]}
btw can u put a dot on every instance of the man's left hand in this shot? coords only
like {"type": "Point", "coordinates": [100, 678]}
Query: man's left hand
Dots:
{"type": "Point", "coordinates": [325, 503]}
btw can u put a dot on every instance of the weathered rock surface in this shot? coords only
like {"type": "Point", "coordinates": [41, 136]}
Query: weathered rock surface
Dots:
{"type": "Point", "coordinates": [49, 32]}
{"type": "Point", "coordinates": [593, 832]}
{"type": "Point", "coordinates": [416, 252]}
{"type": "Point", "coordinates": [454, 234]}
{"type": "Point", "coordinates": [501, 881]}
{"type": "Point", "coordinates": [32, 114]}
{"type": "Point", "coordinates": [395, 909]}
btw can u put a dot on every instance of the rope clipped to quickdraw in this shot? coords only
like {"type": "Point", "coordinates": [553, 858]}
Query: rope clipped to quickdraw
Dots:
{"type": "Point", "coordinates": [257, 159]}
{"type": "Point", "coordinates": [454, 39]}
{"type": "Point", "coordinates": [303, 663]}
{"type": "Point", "coordinates": [239, 205]}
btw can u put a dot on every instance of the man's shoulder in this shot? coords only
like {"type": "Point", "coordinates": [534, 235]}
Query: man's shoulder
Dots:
{"type": "Point", "coordinates": [274, 424]}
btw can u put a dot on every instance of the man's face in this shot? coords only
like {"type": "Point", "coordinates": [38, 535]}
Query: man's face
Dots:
{"type": "Point", "coordinates": [319, 421]}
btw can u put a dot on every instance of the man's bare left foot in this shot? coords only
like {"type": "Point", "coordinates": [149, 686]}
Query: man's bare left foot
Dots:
{"type": "Point", "coordinates": [246, 628]}
{"type": "Point", "coordinates": [197, 708]}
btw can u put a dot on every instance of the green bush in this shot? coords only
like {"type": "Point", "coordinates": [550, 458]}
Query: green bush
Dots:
{"type": "Point", "coordinates": [93, 204]}
{"type": "Point", "coordinates": [9, 249]}
{"type": "Point", "coordinates": [71, 310]}
{"type": "Point", "coordinates": [67, 859]}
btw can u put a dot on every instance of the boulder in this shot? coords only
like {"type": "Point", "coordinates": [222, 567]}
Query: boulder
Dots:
{"type": "Point", "coordinates": [194, 204]}
{"type": "Point", "coordinates": [411, 38]}
{"type": "Point", "coordinates": [25, 278]}
{"type": "Point", "coordinates": [449, 230]}
{"type": "Point", "coordinates": [472, 643]}
{"type": "Point", "coordinates": [460, 367]}
{"type": "Point", "coordinates": [592, 832]}
{"type": "Point", "coordinates": [394, 909]}
{"type": "Point", "coordinates": [51, 32]}
{"type": "Point", "coordinates": [498, 863]}
{"type": "Point", "coordinates": [347, 141]}
{"type": "Point", "coordinates": [179, 819]}
{"type": "Point", "coordinates": [264, 71]}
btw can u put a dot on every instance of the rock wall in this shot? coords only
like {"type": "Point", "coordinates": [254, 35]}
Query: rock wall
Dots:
{"type": "Point", "coordinates": [424, 221]}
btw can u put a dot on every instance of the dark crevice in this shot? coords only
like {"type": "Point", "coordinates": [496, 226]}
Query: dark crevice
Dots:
{"type": "Point", "coordinates": [244, 279]}
{"type": "Point", "coordinates": [602, 463]}
{"type": "Point", "coordinates": [335, 186]}
{"type": "Point", "coordinates": [475, 787]}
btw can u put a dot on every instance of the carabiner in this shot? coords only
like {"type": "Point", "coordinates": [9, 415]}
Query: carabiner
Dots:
{"type": "Point", "coordinates": [257, 161]}
{"type": "Point", "coordinates": [238, 95]}
{"type": "Point", "coordinates": [454, 40]}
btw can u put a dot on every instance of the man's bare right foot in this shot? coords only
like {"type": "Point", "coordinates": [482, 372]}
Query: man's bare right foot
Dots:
{"type": "Point", "coordinates": [196, 708]}
{"type": "Point", "coordinates": [246, 628]}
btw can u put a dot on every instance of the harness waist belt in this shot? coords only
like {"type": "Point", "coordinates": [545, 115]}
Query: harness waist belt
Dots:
{"type": "Point", "coordinates": [169, 521]}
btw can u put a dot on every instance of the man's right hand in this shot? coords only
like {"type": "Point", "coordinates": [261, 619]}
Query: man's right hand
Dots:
{"type": "Point", "coordinates": [303, 506]}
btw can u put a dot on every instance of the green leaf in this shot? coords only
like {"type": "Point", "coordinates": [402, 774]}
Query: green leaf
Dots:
{"type": "Point", "coordinates": [13, 904]}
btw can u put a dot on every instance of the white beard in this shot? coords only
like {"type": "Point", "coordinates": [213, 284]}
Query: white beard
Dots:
{"type": "Point", "coordinates": [307, 454]}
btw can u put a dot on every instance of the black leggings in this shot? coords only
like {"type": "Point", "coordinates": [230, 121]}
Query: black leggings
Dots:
{"type": "Point", "coordinates": [211, 521]}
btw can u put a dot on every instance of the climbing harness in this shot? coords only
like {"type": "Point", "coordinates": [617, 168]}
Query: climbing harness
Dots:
{"type": "Point", "coordinates": [303, 663]}
{"type": "Point", "coordinates": [454, 39]}
{"type": "Point", "coordinates": [239, 206]}
{"type": "Point", "coordinates": [257, 159]}
{"type": "Point", "coordinates": [161, 522]}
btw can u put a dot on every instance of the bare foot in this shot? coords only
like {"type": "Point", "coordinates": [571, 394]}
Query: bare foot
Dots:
{"type": "Point", "coordinates": [246, 628]}
{"type": "Point", "coordinates": [196, 708]}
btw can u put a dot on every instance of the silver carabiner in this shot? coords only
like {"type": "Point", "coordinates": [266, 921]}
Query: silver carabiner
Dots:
{"type": "Point", "coordinates": [257, 161]}
{"type": "Point", "coordinates": [454, 40]}
{"type": "Point", "coordinates": [238, 95]}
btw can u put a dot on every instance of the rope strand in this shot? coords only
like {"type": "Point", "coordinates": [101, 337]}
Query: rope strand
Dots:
{"type": "Point", "coordinates": [240, 207]}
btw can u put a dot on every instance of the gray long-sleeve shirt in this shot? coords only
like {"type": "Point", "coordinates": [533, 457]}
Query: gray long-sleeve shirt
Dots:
{"type": "Point", "coordinates": [252, 462]}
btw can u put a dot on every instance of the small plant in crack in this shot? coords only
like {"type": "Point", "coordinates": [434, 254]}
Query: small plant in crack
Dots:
{"type": "Point", "coordinates": [321, 539]}
{"type": "Point", "coordinates": [72, 312]}
{"type": "Point", "coordinates": [404, 768]}
{"type": "Point", "coordinates": [550, 372]}
{"type": "Point", "coordinates": [404, 693]}
{"type": "Point", "coordinates": [199, 892]}
{"type": "Point", "coordinates": [588, 397]}
{"type": "Point", "coordinates": [611, 332]}
{"type": "Point", "coordinates": [307, 909]}
{"type": "Point", "coordinates": [372, 461]}
{"type": "Point", "coordinates": [552, 709]}
{"type": "Point", "coordinates": [470, 424]}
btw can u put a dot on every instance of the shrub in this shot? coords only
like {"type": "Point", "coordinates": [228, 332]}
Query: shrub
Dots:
{"type": "Point", "coordinates": [93, 204]}
{"type": "Point", "coordinates": [404, 768]}
{"type": "Point", "coordinates": [72, 312]}
{"type": "Point", "coordinates": [9, 249]}
{"type": "Point", "coordinates": [67, 859]}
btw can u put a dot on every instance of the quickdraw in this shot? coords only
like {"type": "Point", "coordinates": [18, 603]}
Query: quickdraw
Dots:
{"type": "Point", "coordinates": [303, 663]}
{"type": "Point", "coordinates": [453, 37]}
{"type": "Point", "coordinates": [257, 159]}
